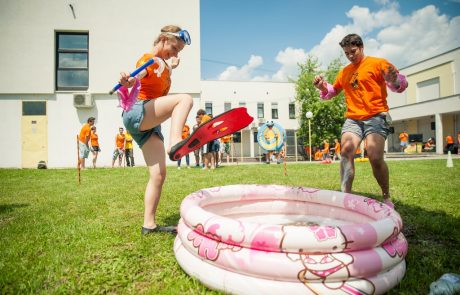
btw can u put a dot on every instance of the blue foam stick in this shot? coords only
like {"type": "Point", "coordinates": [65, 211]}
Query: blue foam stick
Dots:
{"type": "Point", "coordinates": [137, 71]}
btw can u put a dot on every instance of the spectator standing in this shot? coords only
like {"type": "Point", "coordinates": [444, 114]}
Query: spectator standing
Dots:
{"type": "Point", "coordinates": [199, 151]}
{"type": "Point", "coordinates": [449, 144]}
{"type": "Point", "coordinates": [225, 147]}
{"type": "Point", "coordinates": [185, 134]}
{"type": "Point", "coordinates": [83, 141]}
{"type": "Point", "coordinates": [95, 148]}
{"type": "Point", "coordinates": [129, 152]}
{"type": "Point", "coordinates": [325, 150]}
{"type": "Point", "coordinates": [404, 140]}
{"type": "Point", "coordinates": [119, 147]}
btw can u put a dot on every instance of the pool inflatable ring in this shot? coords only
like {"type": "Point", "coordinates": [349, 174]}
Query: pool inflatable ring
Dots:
{"type": "Point", "coordinates": [271, 140]}
{"type": "Point", "coordinates": [304, 239]}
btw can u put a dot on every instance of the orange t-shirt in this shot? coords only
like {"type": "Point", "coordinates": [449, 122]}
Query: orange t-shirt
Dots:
{"type": "Point", "coordinates": [185, 131]}
{"type": "Point", "coordinates": [85, 133]}
{"type": "Point", "coordinates": [365, 88]}
{"type": "Point", "coordinates": [337, 148]}
{"type": "Point", "coordinates": [326, 148]}
{"type": "Point", "coordinates": [94, 139]}
{"type": "Point", "coordinates": [318, 155]}
{"type": "Point", "coordinates": [403, 137]}
{"type": "Point", "coordinates": [226, 138]}
{"type": "Point", "coordinates": [120, 141]}
{"type": "Point", "coordinates": [205, 119]}
{"type": "Point", "coordinates": [449, 139]}
{"type": "Point", "coordinates": [158, 79]}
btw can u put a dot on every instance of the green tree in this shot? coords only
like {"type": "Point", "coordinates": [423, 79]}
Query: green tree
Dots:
{"type": "Point", "coordinates": [328, 116]}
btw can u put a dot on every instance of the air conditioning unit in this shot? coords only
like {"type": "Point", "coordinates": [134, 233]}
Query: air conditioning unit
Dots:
{"type": "Point", "coordinates": [83, 100]}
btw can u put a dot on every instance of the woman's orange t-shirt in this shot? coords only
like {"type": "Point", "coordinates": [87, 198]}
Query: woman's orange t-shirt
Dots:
{"type": "Point", "coordinates": [365, 88]}
{"type": "Point", "coordinates": [449, 139]}
{"type": "Point", "coordinates": [326, 148]}
{"type": "Point", "coordinates": [94, 139]}
{"type": "Point", "coordinates": [157, 82]}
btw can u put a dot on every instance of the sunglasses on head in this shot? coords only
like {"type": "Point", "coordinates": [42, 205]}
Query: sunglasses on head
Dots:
{"type": "Point", "coordinates": [183, 35]}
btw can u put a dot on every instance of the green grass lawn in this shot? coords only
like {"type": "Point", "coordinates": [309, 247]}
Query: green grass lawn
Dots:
{"type": "Point", "coordinates": [60, 237]}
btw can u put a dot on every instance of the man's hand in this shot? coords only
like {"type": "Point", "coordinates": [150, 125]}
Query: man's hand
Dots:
{"type": "Point", "coordinates": [320, 83]}
{"type": "Point", "coordinates": [391, 76]}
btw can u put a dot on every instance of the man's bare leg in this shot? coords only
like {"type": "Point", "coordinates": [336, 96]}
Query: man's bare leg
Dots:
{"type": "Point", "coordinates": [349, 143]}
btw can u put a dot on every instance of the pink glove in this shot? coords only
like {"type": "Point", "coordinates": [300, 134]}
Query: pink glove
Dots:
{"type": "Point", "coordinates": [127, 98]}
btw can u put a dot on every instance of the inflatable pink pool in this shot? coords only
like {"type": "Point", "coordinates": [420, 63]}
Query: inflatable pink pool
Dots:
{"type": "Point", "coordinates": [270, 239]}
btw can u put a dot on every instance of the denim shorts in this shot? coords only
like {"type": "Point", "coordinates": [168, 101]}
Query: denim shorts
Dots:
{"type": "Point", "coordinates": [379, 124]}
{"type": "Point", "coordinates": [132, 120]}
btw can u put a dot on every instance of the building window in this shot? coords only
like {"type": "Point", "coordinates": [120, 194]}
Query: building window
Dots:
{"type": "Point", "coordinates": [292, 111]}
{"type": "Point", "coordinates": [260, 110]}
{"type": "Point", "coordinates": [72, 61]}
{"type": "Point", "coordinates": [236, 137]}
{"type": "Point", "coordinates": [242, 104]}
{"type": "Point", "coordinates": [208, 108]}
{"type": "Point", "coordinates": [34, 108]}
{"type": "Point", "coordinates": [227, 106]}
{"type": "Point", "coordinates": [274, 110]}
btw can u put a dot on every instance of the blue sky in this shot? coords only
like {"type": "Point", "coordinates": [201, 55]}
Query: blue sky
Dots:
{"type": "Point", "coordinates": [265, 39]}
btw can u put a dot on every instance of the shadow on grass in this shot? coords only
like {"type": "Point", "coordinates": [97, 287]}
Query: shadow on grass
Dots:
{"type": "Point", "coordinates": [172, 219]}
{"type": "Point", "coordinates": [11, 207]}
{"type": "Point", "coordinates": [433, 238]}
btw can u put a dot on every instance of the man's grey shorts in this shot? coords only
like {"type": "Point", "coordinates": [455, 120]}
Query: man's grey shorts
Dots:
{"type": "Point", "coordinates": [132, 120]}
{"type": "Point", "coordinates": [379, 124]}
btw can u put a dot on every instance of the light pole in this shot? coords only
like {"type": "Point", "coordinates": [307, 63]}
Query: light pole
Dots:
{"type": "Point", "coordinates": [309, 116]}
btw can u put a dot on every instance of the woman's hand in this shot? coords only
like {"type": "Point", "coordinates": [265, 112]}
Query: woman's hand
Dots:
{"type": "Point", "coordinates": [320, 83]}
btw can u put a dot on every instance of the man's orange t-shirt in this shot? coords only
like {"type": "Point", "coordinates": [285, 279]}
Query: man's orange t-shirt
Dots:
{"type": "Point", "coordinates": [449, 139]}
{"type": "Point", "coordinates": [318, 155]}
{"type": "Point", "coordinates": [365, 88]}
{"type": "Point", "coordinates": [205, 119]}
{"type": "Point", "coordinates": [120, 141]}
{"type": "Point", "coordinates": [158, 79]}
{"type": "Point", "coordinates": [337, 148]}
{"type": "Point", "coordinates": [94, 139]}
{"type": "Point", "coordinates": [403, 137]}
{"type": "Point", "coordinates": [185, 131]}
{"type": "Point", "coordinates": [85, 133]}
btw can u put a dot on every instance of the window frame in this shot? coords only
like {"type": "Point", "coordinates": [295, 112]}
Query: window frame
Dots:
{"type": "Point", "coordinates": [291, 108]}
{"type": "Point", "coordinates": [275, 114]}
{"type": "Point", "coordinates": [207, 106]}
{"type": "Point", "coordinates": [260, 110]}
{"type": "Point", "coordinates": [58, 68]}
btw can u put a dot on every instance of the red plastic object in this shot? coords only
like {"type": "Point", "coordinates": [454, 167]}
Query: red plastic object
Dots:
{"type": "Point", "coordinates": [221, 125]}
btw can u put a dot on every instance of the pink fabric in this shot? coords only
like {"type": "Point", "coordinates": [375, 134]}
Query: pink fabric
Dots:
{"type": "Point", "coordinates": [402, 84]}
{"type": "Point", "coordinates": [331, 92]}
{"type": "Point", "coordinates": [127, 98]}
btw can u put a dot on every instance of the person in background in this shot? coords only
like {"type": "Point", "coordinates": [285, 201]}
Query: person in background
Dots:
{"type": "Point", "coordinates": [449, 144]}
{"type": "Point", "coordinates": [83, 141]}
{"type": "Point", "coordinates": [225, 147]}
{"type": "Point", "coordinates": [404, 140]}
{"type": "Point", "coordinates": [95, 148]}
{"type": "Point", "coordinates": [429, 145]}
{"type": "Point", "coordinates": [129, 152]}
{"type": "Point", "coordinates": [318, 154]}
{"type": "Point", "coordinates": [199, 151]}
{"type": "Point", "coordinates": [325, 150]}
{"type": "Point", "coordinates": [364, 81]}
{"type": "Point", "coordinates": [119, 150]}
{"type": "Point", "coordinates": [185, 134]}
{"type": "Point", "coordinates": [336, 149]}
{"type": "Point", "coordinates": [208, 153]}
{"type": "Point", "coordinates": [458, 143]}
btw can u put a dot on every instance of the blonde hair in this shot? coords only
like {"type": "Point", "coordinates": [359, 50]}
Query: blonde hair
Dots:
{"type": "Point", "coordinates": [167, 29]}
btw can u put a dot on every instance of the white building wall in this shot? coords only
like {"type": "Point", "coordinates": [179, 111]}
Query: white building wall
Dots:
{"type": "Point", "coordinates": [119, 33]}
{"type": "Point", "coordinates": [219, 92]}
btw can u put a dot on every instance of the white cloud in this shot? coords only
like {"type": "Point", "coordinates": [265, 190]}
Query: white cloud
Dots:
{"type": "Point", "coordinates": [243, 73]}
{"type": "Point", "coordinates": [402, 39]}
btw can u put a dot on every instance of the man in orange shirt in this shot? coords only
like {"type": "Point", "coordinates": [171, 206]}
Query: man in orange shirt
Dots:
{"type": "Point", "coordinates": [185, 134]}
{"type": "Point", "coordinates": [325, 150]}
{"type": "Point", "coordinates": [83, 141]}
{"type": "Point", "coordinates": [119, 147]}
{"type": "Point", "coordinates": [403, 138]}
{"type": "Point", "coordinates": [225, 147]}
{"type": "Point", "coordinates": [449, 144]}
{"type": "Point", "coordinates": [336, 149]}
{"type": "Point", "coordinates": [365, 81]}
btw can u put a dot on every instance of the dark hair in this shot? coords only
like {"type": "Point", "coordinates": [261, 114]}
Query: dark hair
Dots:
{"type": "Point", "coordinates": [90, 119]}
{"type": "Point", "coordinates": [351, 40]}
{"type": "Point", "coordinates": [200, 112]}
